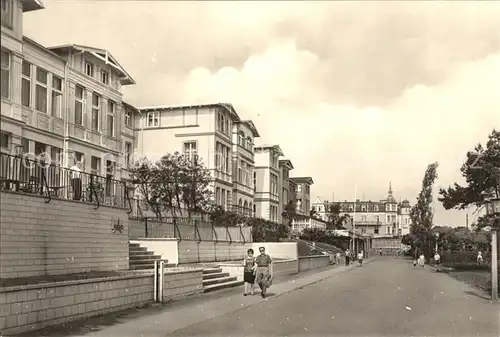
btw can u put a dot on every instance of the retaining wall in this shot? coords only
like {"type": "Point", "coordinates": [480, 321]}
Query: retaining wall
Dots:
{"type": "Point", "coordinates": [313, 262]}
{"type": "Point", "coordinates": [60, 237]}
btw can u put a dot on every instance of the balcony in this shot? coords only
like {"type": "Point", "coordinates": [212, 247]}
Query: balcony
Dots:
{"type": "Point", "coordinates": [93, 137]}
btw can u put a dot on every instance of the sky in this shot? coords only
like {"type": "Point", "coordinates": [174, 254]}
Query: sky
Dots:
{"type": "Point", "coordinates": [357, 94]}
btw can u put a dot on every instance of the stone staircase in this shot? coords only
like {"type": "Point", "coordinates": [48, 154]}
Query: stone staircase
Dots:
{"type": "Point", "coordinates": [215, 279]}
{"type": "Point", "coordinates": [140, 258]}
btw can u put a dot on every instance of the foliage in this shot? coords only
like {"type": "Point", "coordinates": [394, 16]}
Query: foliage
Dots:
{"type": "Point", "coordinates": [335, 219]}
{"type": "Point", "coordinates": [313, 213]}
{"type": "Point", "coordinates": [421, 214]}
{"type": "Point", "coordinates": [220, 217]}
{"type": "Point", "coordinates": [289, 212]}
{"type": "Point", "coordinates": [173, 184]}
{"type": "Point", "coordinates": [267, 231]}
{"type": "Point", "coordinates": [461, 266]}
{"type": "Point", "coordinates": [319, 235]}
{"type": "Point", "coordinates": [481, 172]}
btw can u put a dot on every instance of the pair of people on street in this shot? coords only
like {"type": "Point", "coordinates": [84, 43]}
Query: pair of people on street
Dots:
{"type": "Point", "coordinates": [257, 270]}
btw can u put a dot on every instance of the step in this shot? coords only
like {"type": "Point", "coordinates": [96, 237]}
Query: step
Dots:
{"type": "Point", "coordinates": [136, 262]}
{"type": "Point", "coordinates": [211, 270]}
{"type": "Point", "coordinates": [219, 286]}
{"type": "Point", "coordinates": [134, 244]}
{"type": "Point", "coordinates": [214, 275]}
{"type": "Point", "coordinates": [219, 280]}
{"type": "Point", "coordinates": [141, 266]}
{"type": "Point", "coordinates": [144, 257]}
{"type": "Point", "coordinates": [138, 250]}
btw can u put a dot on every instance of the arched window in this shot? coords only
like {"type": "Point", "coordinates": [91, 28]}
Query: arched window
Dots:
{"type": "Point", "coordinates": [241, 138]}
{"type": "Point", "coordinates": [245, 207]}
{"type": "Point", "coordinates": [249, 142]}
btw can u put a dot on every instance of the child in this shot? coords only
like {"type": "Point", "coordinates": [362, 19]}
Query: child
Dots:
{"type": "Point", "coordinates": [249, 272]}
{"type": "Point", "coordinates": [421, 260]}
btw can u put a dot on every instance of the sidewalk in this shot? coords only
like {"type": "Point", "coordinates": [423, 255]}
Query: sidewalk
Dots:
{"type": "Point", "coordinates": [161, 320]}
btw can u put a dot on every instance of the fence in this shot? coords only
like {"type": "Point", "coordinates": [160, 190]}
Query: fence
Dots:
{"type": "Point", "coordinates": [21, 174]}
{"type": "Point", "coordinates": [187, 229]}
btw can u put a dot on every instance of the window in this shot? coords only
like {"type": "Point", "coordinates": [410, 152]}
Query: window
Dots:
{"type": "Point", "coordinates": [376, 230]}
{"type": "Point", "coordinates": [254, 180]}
{"type": "Point", "coordinates": [5, 75]}
{"type": "Point", "coordinates": [375, 208]}
{"type": "Point", "coordinates": [248, 175]}
{"type": "Point", "coordinates": [363, 208]}
{"type": "Point", "coordinates": [104, 77]}
{"type": "Point", "coordinates": [56, 96]}
{"type": "Point", "coordinates": [190, 150]}
{"type": "Point", "coordinates": [128, 118]}
{"type": "Point", "coordinates": [7, 13]}
{"type": "Point", "coordinates": [89, 69]}
{"type": "Point", "coordinates": [240, 172]}
{"type": "Point", "coordinates": [222, 157]}
{"type": "Point", "coordinates": [299, 188]}
{"type": "Point", "coordinates": [26, 84]}
{"type": "Point", "coordinates": [79, 112]}
{"type": "Point", "coordinates": [111, 119]}
{"type": "Point", "coordinates": [351, 208]}
{"type": "Point", "coordinates": [363, 218]}
{"type": "Point", "coordinates": [223, 199]}
{"type": "Point", "coordinates": [41, 90]}
{"type": "Point", "coordinates": [4, 140]}
{"type": "Point", "coordinates": [377, 218]}
{"type": "Point", "coordinates": [128, 153]}
{"type": "Point", "coordinates": [388, 219]}
{"type": "Point", "coordinates": [79, 157]}
{"type": "Point", "coordinates": [96, 108]}
{"type": "Point", "coordinates": [153, 119]}
{"type": "Point", "coordinates": [55, 155]}
{"type": "Point", "coordinates": [95, 165]}
{"type": "Point", "coordinates": [217, 196]}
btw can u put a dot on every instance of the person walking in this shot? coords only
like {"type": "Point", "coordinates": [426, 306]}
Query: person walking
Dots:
{"type": "Point", "coordinates": [437, 258]}
{"type": "Point", "coordinates": [421, 260]}
{"type": "Point", "coordinates": [249, 272]}
{"type": "Point", "coordinates": [360, 258]}
{"type": "Point", "coordinates": [479, 258]}
{"type": "Point", "coordinates": [337, 258]}
{"type": "Point", "coordinates": [347, 257]}
{"type": "Point", "coordinates": [263, 271]}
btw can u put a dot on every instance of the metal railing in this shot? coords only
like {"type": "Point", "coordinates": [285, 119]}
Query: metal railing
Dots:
{"type": "Point", "coordinates": [187, 229]}
{"type": "Point", "coordinates": [22, 174]}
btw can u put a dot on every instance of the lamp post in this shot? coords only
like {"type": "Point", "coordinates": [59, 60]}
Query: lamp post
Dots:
{"type": "Point", "coordinates": [493, 210]}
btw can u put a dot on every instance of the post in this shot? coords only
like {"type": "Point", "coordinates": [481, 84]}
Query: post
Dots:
{"type": "Point", "coordinates": [155, 282]}
{"type": "Point", "coordinates": [354, 223]}
{"type": "Point", "coordinates": [162, 272]}
{"type": "Point", "coordinates": [494, 266]}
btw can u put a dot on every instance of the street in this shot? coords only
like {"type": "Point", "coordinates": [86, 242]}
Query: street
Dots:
{"type": "Point", "coordinates": [385, 297]}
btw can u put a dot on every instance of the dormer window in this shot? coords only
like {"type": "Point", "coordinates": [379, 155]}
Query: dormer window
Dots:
{"type": "Point", "coordinates": [104, 77]}
{"type": "Point", "coordinates": [89, 69]}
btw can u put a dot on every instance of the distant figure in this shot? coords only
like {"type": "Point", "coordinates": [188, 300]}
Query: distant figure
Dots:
{"type": "Point", "coordinates": [249, 272]}
{"type": "Point", "coordinates": [437, 258]}
{"type": "Point", "coordinates": [360, 258]}
{"type": "Point", "coordinates": [380, 252]}
{"type": "Point", "coordinates": [421, 260]}
{"type": "Point", "coordinates": [415, 262]}
{"type": "Point", "coordinates": [479, 258]}
{"type": "Point", "coordinates": [337, 258]}
{"type": "Point", "coordinates": [347, 257]}
{"type": "Point", "coordinates": [76, 181]}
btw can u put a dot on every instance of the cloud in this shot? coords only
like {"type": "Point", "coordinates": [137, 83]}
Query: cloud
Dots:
{"type": "Point", "coordinates": [355, 93]}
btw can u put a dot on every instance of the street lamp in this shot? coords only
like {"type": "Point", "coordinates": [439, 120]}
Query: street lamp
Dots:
{"type": "Point", "coordinates": [493, 210]}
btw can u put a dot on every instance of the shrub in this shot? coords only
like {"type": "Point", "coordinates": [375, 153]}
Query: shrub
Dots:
{"type": "Point", "coordinates": [465, 266]}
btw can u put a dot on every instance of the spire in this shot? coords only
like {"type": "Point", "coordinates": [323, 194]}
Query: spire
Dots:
{"type": "Point", "coordinates": [390, 188]}
{"type": "Point", "coordinates": [390, 197]}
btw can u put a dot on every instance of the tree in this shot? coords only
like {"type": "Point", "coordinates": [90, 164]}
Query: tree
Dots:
{"type": "Point", "coordinates": [422, 214]}
{"type": "Point", "coordinates": [335, 219]}
{"type": "Point", "coordinates": [481, 172]}
{"type": "Point", "coordinates": [313, 213]}
{"type": "Point", "coordinates": [172, 185]}
{"type": "Point", "coordinates": [267, 231]}
{"type": "Point", "coordinates": [289, 212]}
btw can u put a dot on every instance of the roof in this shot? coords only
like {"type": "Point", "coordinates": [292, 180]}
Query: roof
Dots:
{"type": "Point", "coordinates": [128, 105]}
{"type": "Point", "coordinates": [32, 5]}
{"type": "Point", "coordinates": [306, 180]}
{"type": "Point", "coordinates": [227, 106]}
{"type": "Point", "coordinates": [252, 127]}
{"type": "Point", "coordinates": [287, 163]}
{"type": "Point", "coordinates": [101, 54]}
{"type": "Point", "coordinates": [269, 147]}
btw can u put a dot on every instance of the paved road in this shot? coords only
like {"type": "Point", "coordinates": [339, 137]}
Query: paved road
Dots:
{"type": "Point", "coordinates": [384, 298]}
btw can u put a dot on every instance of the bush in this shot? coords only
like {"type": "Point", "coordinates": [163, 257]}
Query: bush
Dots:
{"type": "Point", "coordinates": [463, 257]}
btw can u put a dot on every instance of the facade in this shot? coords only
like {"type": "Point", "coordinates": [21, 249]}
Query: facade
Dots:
{"type": "Point", "coordinates": [64, 102]}
{"type": "Point", "coordinates": [244, 133]}
{"type": "Point", "coordinates": [207, 132]}
{"type": "Point", "coordinates": [267, 182]}
{"type": "Point", "coordinates": [384, 218]}
{"type": "Point", "coordinates": [303, 194]}
{"type": "Point", "coordinates": [285, 166]}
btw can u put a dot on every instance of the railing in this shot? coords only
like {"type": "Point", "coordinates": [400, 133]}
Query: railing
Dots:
{"type": "Point", "coordinates": [21, 174]}
{"type": "Point", "coordinates": [188, 229]}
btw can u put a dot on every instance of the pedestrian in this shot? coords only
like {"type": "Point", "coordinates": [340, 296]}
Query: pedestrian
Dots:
{"type": "Point", "coordinates": [249, 272]}
{"type": "Point", "coordinates": [360, 258]}
{"type": "Point", "coordinates": [414, 262]}
{"type": "Point", "coordinates": [347, 256]}
{"type": "Point", "coordinates": [421, 260]}
{"type": "Point", "coordinates": [263, 271]}
{"type": "Point", "coordinates": [76, 180]}
{"type": "Point", "coordinates": [479, 258]}
{"type": "Point", "coordinates": [337, 258]}
{"type": "Point", "coordinates": [437, 258]}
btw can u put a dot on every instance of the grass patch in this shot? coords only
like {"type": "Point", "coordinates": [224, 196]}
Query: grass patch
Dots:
{"type": "Point", "coordinates": [477, 278]}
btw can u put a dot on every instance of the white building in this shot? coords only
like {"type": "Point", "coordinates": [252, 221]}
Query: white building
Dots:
{"type": "Point", "coordinates": [267, 182]}
{"type": "Point", "coordinates": [300, 223]}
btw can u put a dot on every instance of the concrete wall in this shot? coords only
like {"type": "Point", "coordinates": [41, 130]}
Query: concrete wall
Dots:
{"type": "Point", "coordinates": [312, 262]}
{"type": "Point", "coordinates": [279, 250]}
{"type": "Point", "coordinates": [208, 251]}
{"type": "Point", "coordinates": [61, 237]}
{"type": "Point", "coordinates": [285, 267]}
{"type": "Point", "coordinates": [33, 307]}
{"type": "Point", "coordinates": [167, 248]}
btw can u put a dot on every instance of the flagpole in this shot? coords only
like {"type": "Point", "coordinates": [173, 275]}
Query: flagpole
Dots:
{"type": "Point", "coordinates": [354, 222]}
